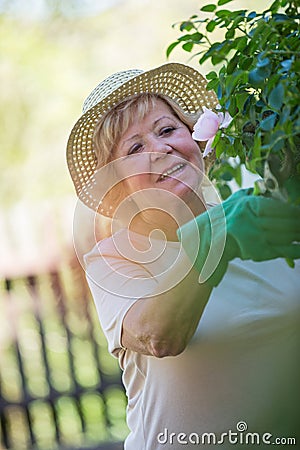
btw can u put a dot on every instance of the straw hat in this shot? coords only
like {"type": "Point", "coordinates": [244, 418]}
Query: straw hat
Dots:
{"type": "Point", "coordinates": [183, 84]}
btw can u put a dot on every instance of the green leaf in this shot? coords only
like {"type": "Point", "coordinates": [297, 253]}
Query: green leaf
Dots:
{"type": "Point", "coordinates": [277, 140]}
{"type": "Point", "coordinates": [188, 46]}
{"type": "Point", "coordinates": [285, 115]}
{"type": "Point", "coordinates": [235, 79]}
{"type": "Point", "coordinates": [225, 190]}
{"type": "Point", "coordinates": [287, 64]}
{"type": "Point", "coordinates": [252, 114]}
{"type": "Point", "coordinates": [232, 64]}
{"type": "Point", "coordinates": [216, 59]}
{"type": "Point", "coordinates": [241, 42]}
{"type": "Point", "coordinates": [290, 262]}
{"type": "Point", "coordinates": [208, 8]}
{"type": "Point", "coordinates": [268, 123]}
{"type": "Point", "coordinates": [223, 13]}
{"type": "Point", "coordinates": [230, 33]}
{"type": "Point", "coordinates": [280, 17]}
{"type": "Point", "coordinates": [250, 165]}
{"type": "Point", "coordinates": [276, 97]}
{"type": "Point", "coordinates": [240, 100]}
{"type": "Point", "coordinates": [273, 81]}
{"type": "Point", "coordinates": [262, 62]}
{"type": "Point", "coordinates": [196, 37]}
{"type": "Point", "coordinates": [238, 20]}
{"type": "Point", "coordinates": [223, 2]}
{"type": "Point", "coordinates": [232, 109]}
{"type": "Point", "coordinates": [213, 84]}
{"type": "Point", "coordinates": [226, 176]}
{"type": "Point", "coordinates": [264, 72]}
{"type": "Point", "coordinates": [220, 147]}
{"type": "Point", "coordinates": [255, 79]}
{"type": "Point", "coordinates": [184, 38]}
{"type": "Point", "coordinates": [171, 48]}
{"type": "Point", "coordinates": [217, 138]}
{"type": "Point", "coordinates": [238, 175]}
{"type": "Point", "coordinates": [251, 15]}
{"type": "Point", "coordinates": [256, 151]}
{"type": "Point", "coordinates": [203, 58]}
{"type": "Point", "coordinates": [188, 26]}
{"type": "Point", "coordinates": [275, 6]}
{"type": "Point", "coordinates": [211, 25]}
{"type": "Point", "coordinates": [211, 75]}
{"type": "Point", "coordinates": [238, 13]}
{"type": "Point", "coordinates": [215, 47]}
{"type": "Point", "coordinates": [248, 105]}
{"type": "Point", "coordinates": [193, 37]}
{"type": "Point", "coordinates": [246, 63]}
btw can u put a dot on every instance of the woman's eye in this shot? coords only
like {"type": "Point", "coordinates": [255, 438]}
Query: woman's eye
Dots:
{"type": "Point", "coordinates": [135, 149]}
{"type": "Point", "coordinates": [167, 130]}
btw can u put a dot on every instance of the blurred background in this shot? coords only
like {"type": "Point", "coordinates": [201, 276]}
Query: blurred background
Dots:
{"type": "Point", "coordinates": [59, 388]}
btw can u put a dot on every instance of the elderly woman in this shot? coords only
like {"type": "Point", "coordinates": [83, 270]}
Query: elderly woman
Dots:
{"type": "Point", "coordinates": [195, 298]}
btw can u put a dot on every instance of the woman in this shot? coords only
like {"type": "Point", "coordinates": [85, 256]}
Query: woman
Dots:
{"type": "Point", "coordinates": [196, 300]}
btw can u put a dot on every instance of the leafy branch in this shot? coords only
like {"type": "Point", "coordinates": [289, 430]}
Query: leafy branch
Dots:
{"type": "Point", "coordinates": [256, 79]}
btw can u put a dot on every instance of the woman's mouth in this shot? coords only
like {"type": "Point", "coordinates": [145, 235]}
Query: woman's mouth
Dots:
{"type": "Point", "coordinates": [167, 174]}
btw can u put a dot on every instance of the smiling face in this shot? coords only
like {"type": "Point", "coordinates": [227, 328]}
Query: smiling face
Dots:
{"type": "Point", "coordinates": [163, 154]}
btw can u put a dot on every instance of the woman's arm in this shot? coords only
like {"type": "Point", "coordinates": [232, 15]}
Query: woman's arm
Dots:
{"type": "Point", "coordinates": [164, 324]}
{"type": "Point", "coordinates": [244, 226]}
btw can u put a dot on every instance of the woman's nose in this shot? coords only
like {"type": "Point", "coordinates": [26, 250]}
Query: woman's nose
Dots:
{"type": "Point", "coordinates": [159, 150]}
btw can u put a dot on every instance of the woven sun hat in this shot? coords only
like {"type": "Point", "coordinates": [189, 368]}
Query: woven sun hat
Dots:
{"type": "Point", "coordinates": [183, 84]}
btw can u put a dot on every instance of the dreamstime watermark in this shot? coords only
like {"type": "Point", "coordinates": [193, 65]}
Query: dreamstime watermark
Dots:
{"type": "Point", "coordinates": [239, 436]}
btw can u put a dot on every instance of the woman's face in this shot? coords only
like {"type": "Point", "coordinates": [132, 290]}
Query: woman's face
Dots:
{"type": "Point", "coordinates": [163, 154]}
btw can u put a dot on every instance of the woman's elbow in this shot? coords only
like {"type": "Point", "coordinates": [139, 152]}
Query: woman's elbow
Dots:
{"type": "Point", "coordinates": [160, 348]}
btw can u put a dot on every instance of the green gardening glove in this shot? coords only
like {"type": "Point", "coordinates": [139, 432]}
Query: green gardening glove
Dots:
{"type": "Point", "coordinates": [292, 185]}
{"type": "Point", "coordinates": [243, 226]}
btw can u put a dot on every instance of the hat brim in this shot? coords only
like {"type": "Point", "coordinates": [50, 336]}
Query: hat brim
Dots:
{"type": "Point", "coordinates": [183, 84]}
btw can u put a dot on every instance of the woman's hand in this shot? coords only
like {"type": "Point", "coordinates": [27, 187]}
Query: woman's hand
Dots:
{"type": "Point", "coordinates": [244, 226]}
